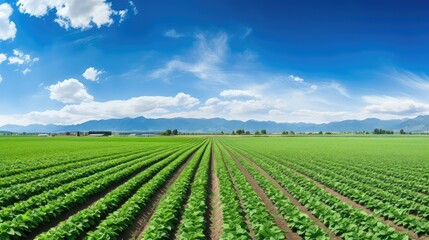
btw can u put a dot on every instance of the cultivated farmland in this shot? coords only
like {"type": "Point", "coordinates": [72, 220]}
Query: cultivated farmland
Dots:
{"type": "Point", "coordinates": [214, 188]}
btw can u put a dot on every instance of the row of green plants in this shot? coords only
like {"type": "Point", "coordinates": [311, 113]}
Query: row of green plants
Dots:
{"type": "Point", "coordinates": [382, 203]}
{"type": "Point", "coordinates": [78, 224]}
{"type": "Point", "coordinates": [234, 224]}
{"type": "Point", "coordinates": [396, 185]}
{"type": "Point", "coordinates": [408, 179]}
{"type": "Point", "coordinates": [116, 223]}
{"type": "Point", "coordinates": [52, 171]}
{"type": "Point", "coordinates": [261, 221]}
{"type": "Point", "coordinates": [340, 217]}
{"type": "Point", "coordinates": [298, 221]}
{"type": "Point", "coordinates": [369, 183]}
{"type": "Point", "coordinates": [30, 164]}
{"type": "Point", "coordinates": [25, 223]}
{"type": "Point", "coordinates": [100, 171]}
{"type": "Point", "coordinates": [23, 191]}
{"type": "Point", "coordinates": [167, 215]}
{"type": "Point", "coordinates": [193, 223]}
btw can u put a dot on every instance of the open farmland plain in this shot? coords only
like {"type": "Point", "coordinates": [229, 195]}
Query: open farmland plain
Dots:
{"type": "Point", "coordinates": [214, 188]}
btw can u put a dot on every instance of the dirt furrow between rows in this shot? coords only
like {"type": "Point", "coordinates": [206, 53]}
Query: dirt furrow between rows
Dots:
{"type": "Point", "coordinates": [136, 230]}
{"type": "Point", "coordinates": [246, 218]}
{"type": "Point", "coordinates": [280, 221]}
{"type": "Point", "coordinates": [347, 200]}
{"type": "Point", "coordinates": [215, 215]}
{"type": "Point", "coordinates": [303, 209]}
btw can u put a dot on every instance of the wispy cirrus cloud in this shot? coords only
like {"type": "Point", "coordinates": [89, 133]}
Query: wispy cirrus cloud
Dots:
{"type": "Point", "coordinates": [296, 78]}
{"type": "Point", "coordinates": [172, 33]}
{"type": "Point", "coordinates": [410, 79]}
{"type": "Point", "coordinates": [204, 61]}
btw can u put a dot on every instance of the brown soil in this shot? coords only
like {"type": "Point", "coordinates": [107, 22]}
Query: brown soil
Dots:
{"type": "Point", "coordinates": [280, 221]}
{"type": "Point", "coordinates": [345, 199]}
{"type": "Point", "coordinates": [246, 218]}
{"type": "Point", "coordinates": [136, 230]}
{"type": "Point", "coordinates": [303, 209]}
{"type": "Point", "coordinates": [215, 210]}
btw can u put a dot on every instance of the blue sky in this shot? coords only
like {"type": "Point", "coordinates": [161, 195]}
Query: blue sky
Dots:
{"type": "Point", "coordinates": [69, 61]}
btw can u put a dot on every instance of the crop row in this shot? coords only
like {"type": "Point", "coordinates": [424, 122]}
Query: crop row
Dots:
{"type": "Point", "coordinates": [193, 224]}
{"type": "Point", "coordinates": [262, 222]}
{"type": "Point", "coordinates": [22, 191]}
{"type": "Point", "coordinates": [167, 214]}
{"type": "Point", "coordinates": [79, 223]}
{"type": "Point", "coordinates": [402, 198]}
{"type": "Point", "coordinates": [24, 223]}
{"type": "Point", "coordinates": [297, 221]}
{"type": "Point", "coordinates": [371, 197]}
{"type": "Point", "coordinates": [117, 222]}
{"type": "Point", "coordinates": [340, 217]}
{"type": "Point", "coordinates": [38, 164]}
{"type": "Point", "coordinates": [415, 191]}
{"type": "Point", "coordinates": [234, 225]}
{"type": "Point", "coordinates": [101, 171]}
{"type": "Point", "coordinates": [43, 173]}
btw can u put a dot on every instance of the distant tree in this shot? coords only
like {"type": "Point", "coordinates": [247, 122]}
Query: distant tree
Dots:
{"type": "Point", "coordinates": [292, 132]}
{"type": "Point", "coordinates": [285, 132]}
{"type": "Point", "coordinates": [233, 132]}
{"type": "Point", "coordinates": [168, 132]}
{"type": "Point", "coordinates": [263, 131]}
{"type": "Point", "coordinates": [222, 133]}
{"type": "Point", "coordinates": [257, 132]}
{"type": "Point", "coordinates": [247, 133]}
{"type": "Point", "coordinates": [382, 131]}
{"type": "Point", "coordinates": [320, 132]}
{"type": "Point", "coordinates": [175, 132]}
{"type": "Point", "coordinates": [402, 131]}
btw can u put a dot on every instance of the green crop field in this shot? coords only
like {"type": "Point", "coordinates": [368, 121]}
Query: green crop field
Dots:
{"type": "Point", "coordinates": [214, 188]}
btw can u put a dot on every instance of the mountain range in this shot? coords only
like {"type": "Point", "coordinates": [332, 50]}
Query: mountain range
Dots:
{"type": "Point", "coordinates": [142, 124]}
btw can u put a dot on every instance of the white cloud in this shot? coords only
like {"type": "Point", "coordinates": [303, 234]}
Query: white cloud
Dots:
{"type": "Point", "coordinates": [7, 27]}
{"type": "Point", "coordinates": [16, 60]}
{"type": "Point", "coordinates": [91, 74]}
{"type": "Point", "coordinates": [20, 58]}
{"type": "Point", "coordinates": [208, 54]}
{"type": "Point", "coordinates": [1, 79]}
{"type": "Point", "coordinates": [26, 71]}
{"type": "Point", "coordinates": [148, 106]}
{"type": "Point", "coordinates": [338, 87]}
{"type": "Point", "coordinates": [172, 33]}
{"type": "Point", "coordinates": [69, 91]}
{"type": "Point", "coordinates": [296, 78]}
{"type": "Point", "coordinates": [122, 14]}
{"type": "Point", "coordinates": [394, 106]}
{"type": "Point", "coordinates": [72, 13]}
{"type": "Point", "coordinates": [410, 79]}
{"type": "Point", "coordinates": [239, 93]}
{"type": "Point", "coordinates": [313, 88]}
{"type": "Point", "coordinates": [3, 57]}
{"type": "Point", "coordinates": [314, 116]}
{"type": "Point", "coordinates": [247, 32]}
{"type": "Point", "coordinates": [133, 7]}
{"type": "Point", "coordinates": [212, 101]}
